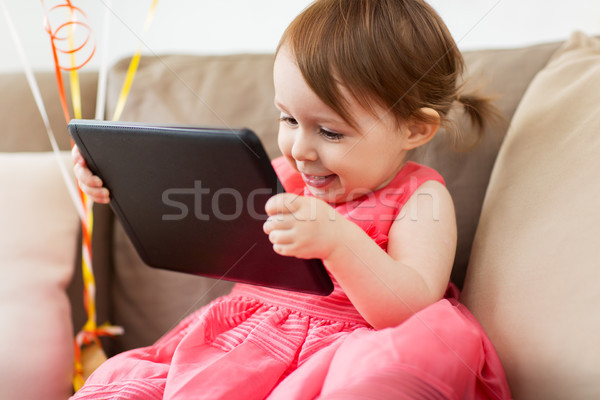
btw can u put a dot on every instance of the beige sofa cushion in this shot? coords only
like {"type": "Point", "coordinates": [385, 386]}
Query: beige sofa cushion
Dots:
{"type": "Point", "coordinates": [38, 232]}
{"type": "Point", "coordinates": [534, 271]}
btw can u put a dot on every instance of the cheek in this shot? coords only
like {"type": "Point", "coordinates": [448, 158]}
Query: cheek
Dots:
{"type": "Point", "coordinates": [284, 142]}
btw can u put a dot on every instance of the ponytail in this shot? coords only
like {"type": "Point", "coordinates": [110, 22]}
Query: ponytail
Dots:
{"type": "Point", "coordinates": [480, 111]}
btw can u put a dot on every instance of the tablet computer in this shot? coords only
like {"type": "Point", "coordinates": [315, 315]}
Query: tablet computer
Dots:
{"type": "Point", "coordinates": [191, 199]}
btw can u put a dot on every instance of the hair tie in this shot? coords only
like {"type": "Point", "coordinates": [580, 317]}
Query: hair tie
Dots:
{"type": "Point", "coordinates": [458, 97]}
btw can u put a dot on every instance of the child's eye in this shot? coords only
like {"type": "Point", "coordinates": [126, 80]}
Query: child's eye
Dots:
{"type": "Point", "coordinates": [289, 121]}
{"type": "Point", "coordinates": [329, 135]}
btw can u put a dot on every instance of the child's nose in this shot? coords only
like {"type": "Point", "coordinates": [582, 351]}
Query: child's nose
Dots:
{"type": "Point", "coordinates": [303, 149]}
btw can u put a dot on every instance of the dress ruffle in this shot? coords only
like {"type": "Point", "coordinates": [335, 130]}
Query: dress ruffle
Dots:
{"type": "Point", "coordinates": [286, 334]}
{"type": "Point", "coordinates": [262, 350]}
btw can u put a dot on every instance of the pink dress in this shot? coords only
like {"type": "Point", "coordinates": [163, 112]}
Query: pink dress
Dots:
{"type": "Point", "coordinates": [258, 343]}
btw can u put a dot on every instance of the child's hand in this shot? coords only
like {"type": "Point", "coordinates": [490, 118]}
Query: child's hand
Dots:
{"type": "Point", "coordinates": [89, 183]}
{"type": "Point", "coordinates": [303, 227]}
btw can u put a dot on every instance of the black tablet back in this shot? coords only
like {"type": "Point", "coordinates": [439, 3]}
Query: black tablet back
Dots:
{"type": "Point", "coordinates": [192, 200]}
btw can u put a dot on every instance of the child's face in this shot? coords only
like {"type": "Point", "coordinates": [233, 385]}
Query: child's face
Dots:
{"type": "Point", "coordinates": [337, 162]}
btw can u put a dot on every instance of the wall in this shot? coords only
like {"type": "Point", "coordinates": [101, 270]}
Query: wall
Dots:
{"type": "Point", "coordinates": [505, 23]}
{"type": "Point", "coordinates": [229, 26]}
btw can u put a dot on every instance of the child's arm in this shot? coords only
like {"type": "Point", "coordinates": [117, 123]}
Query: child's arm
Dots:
{"type": "Point", "coordinates": [89, 183]}
{"type": "Point", "coordinates": [386, 288]}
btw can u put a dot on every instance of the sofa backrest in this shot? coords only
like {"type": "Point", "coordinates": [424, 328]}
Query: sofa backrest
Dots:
{"type": "Point", "coordinates": [22, 126]}
{"type": "Point", "coordinates": [237, 91]}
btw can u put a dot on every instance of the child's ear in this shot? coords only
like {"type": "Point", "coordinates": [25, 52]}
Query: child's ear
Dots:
{"type": "Point", "coordinates": [421, 132]}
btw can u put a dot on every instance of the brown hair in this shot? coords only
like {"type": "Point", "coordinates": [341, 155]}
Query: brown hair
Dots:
{"type": "Point", "coordinates": [397, 53]}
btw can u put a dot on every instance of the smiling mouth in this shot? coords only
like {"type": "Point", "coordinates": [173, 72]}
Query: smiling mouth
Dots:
{"type": "Point", "coordinates": [318, 181]}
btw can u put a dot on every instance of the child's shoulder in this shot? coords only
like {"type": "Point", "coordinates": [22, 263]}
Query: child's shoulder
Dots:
{"type": "Point", "coordinates": [409, 180]}
{"type": "Point", "coordinates": [420, 172]}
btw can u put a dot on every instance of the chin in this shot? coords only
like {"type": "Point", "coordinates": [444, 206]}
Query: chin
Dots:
{"type": "Point", "coordinates": [327, 196]}
{"type": "Point", "coordinates": [320, 194]}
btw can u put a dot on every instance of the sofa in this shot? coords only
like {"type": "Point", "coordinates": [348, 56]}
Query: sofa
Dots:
{"type": "Point", "coordinates": [526, 196]}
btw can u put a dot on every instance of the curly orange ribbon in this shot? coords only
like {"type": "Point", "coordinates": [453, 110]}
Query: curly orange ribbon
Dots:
{"type": "Point", "coordinates": [65, 33]}
{"type": "Point", "coordinates": [59, 35]}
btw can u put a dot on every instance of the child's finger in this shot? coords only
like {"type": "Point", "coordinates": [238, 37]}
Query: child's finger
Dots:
{"type": "Point", "coordinates": [282, 249]}
{"type": "Point", "coordinates": [278, 221]}
{"type": "Point", "coordinates": [77, 157]}
{"type": "Point", "coordinates": [86, 177]}
{"type": "Point", "coordinates": [282, 203]}
{"type": "Point", "coordinates": [98, 195]}
{"type": "Point", "coordinates": [281, 237]}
